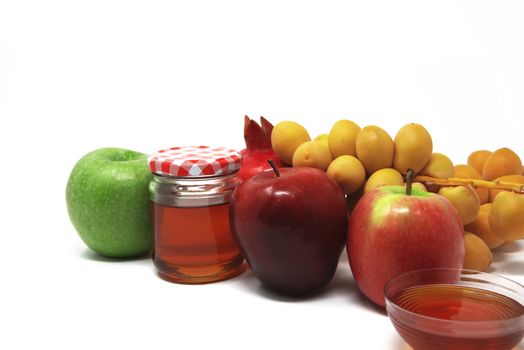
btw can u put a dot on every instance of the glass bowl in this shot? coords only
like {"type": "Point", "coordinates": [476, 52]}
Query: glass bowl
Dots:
{"type": "Point", "coordinates": [453, 309]}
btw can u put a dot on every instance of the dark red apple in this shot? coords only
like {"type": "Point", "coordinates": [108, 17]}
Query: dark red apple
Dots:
{"type": "Point", "coordinates": [391, 233]}
{"type": "Point", "coordinates": [291, 228]}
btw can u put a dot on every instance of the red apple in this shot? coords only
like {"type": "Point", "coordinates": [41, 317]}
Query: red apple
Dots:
{"type": "Point", "coordinates": [291, 228]}
{"type": "Point", "coordinates": [391, 233]}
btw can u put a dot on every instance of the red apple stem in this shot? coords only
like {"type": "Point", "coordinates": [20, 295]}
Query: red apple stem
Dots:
{"type": "Point", "coordinates": [274, 167]}
{"type": "Point", "coordinates": [409, 181]}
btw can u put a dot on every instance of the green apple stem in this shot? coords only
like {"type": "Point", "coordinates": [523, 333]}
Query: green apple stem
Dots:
{"type": "Point", "coordinates": [409, 181]}
{"type": "Point", "coordinates": [274, 167]}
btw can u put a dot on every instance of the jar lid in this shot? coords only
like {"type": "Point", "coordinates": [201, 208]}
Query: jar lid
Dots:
{"type": "Point", "coordinates": [194, 161]}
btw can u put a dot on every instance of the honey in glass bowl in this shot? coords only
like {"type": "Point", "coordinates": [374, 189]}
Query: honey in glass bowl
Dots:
{"type": "Point", "coordinates": [456, 310]}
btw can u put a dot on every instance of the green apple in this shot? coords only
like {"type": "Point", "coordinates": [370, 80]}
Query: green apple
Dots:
{"type": "Point", "coordinates": [107, 199]}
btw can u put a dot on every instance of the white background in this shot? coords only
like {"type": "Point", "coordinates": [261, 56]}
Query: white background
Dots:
{"type": "Point", "coordinates": [144, 75]}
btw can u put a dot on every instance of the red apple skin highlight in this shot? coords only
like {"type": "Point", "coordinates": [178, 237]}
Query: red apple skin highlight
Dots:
{"type": "Point", "coordinates": [391, 233]}
{"type": "Point", "coordinates": [291, 229]}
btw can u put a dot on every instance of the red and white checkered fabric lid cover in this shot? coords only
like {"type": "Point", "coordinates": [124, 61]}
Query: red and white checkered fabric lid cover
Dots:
{"type": "Point", "coordinates": [195, 161]}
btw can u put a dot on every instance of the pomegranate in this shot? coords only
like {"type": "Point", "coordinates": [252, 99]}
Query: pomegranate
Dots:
{"type": "Point", "coordinates": [258, 148]}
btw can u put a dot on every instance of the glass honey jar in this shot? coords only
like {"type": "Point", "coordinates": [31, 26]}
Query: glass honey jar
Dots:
{"type": "Point", "coordinates": [190, 192]}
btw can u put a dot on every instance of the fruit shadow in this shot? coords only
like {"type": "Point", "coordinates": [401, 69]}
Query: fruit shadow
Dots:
{"type": "Point", "coordinates": [92, 256]}
{"type": "Point", "coordinates": [504, 266]}
{"type": "Point", "coordinates": [342, 286]}
{"type": "Point", "coordinates": [250, 282]}
{"type": "Point", "coordinates": [505, 261]}
{"type": "Point", "coordinates": [508, 247]}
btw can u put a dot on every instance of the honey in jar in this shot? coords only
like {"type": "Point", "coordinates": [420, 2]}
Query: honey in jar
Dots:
{"type": "Point", "coordinates": [190, 191]}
